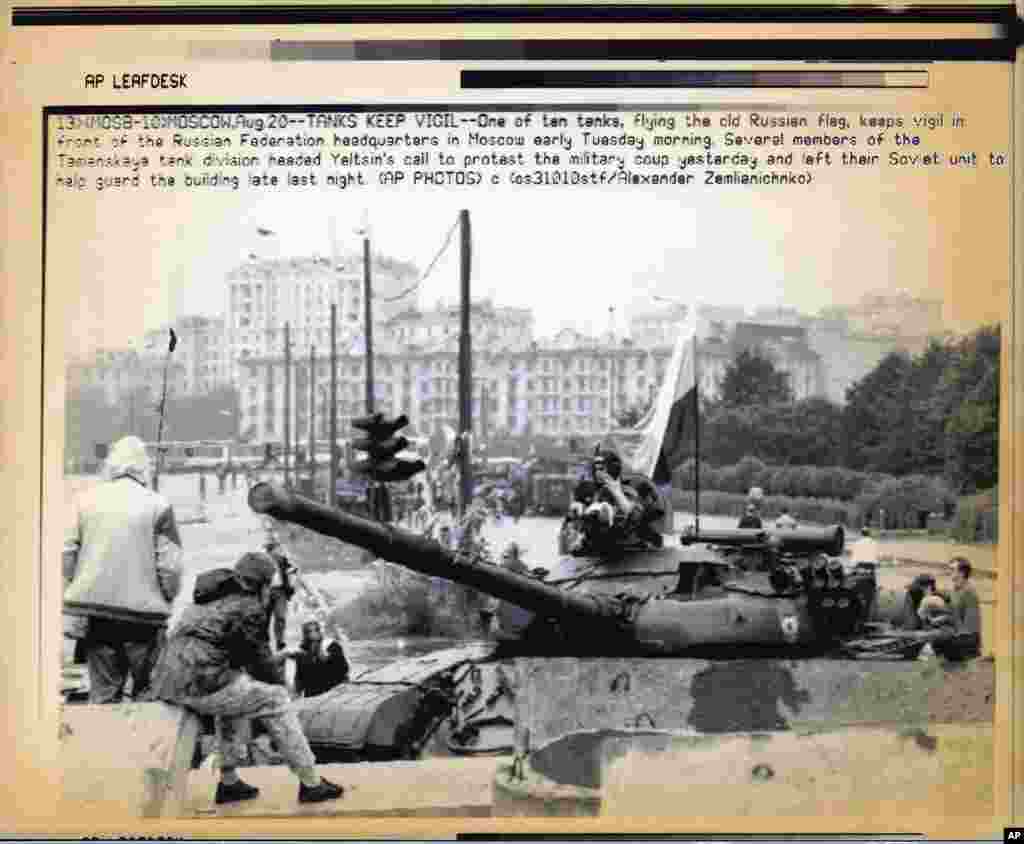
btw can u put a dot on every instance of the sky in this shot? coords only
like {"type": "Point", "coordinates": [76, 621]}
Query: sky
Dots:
{"type": "Point", "coordinates": [128, 263]}
{"type": "Point", "coordinates": [569, 258]}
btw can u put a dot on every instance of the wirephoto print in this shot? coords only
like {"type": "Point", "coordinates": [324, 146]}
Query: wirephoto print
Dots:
{"type": "Point", "coordinates": [613, 457]}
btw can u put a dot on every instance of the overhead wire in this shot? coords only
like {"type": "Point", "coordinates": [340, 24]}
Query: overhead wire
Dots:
{"type": "Point", "coordinates": [429, 270]}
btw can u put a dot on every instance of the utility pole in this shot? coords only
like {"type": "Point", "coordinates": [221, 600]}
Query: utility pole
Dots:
{"type": "Point", "coordinates": [376, 490]}
{"type": "Point", "coordinates": [465, 369]}
{"type": "Point", "coordinates": [368, 321]}
{"type": "Point", "coordinates": [312, 418]}
{"type": "Point", "coordinates": [332, 475]}
{"type": "Point", "coordinates": [287, 402]}
{"type": "Point", "coordinates": [611, 369]}
{"type": "Point", "coordinates": [483, 412]}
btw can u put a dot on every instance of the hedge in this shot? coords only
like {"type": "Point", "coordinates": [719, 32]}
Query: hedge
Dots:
{"type": "Point", "coordinates": [819, 510]}
{"type": "Point", "coordinates": [825, 482]}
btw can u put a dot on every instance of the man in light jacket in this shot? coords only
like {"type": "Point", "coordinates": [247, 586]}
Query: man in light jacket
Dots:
{"type": "Point", "coordinates": [115, 577]}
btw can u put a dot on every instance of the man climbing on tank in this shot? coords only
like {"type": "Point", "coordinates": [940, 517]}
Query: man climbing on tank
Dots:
{"type": "Point", "coordinates": [218, 662]}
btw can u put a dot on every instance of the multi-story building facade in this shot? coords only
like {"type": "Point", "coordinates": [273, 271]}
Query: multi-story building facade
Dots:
{"type": "Point", "coordinates": [544, 389]}
{"type": "Point", "coordinates": [567, 384]}
{"type": "Point", "coordinates": [125, 373]}
{"type": "Point", "coordinates": [201, 351]}
{"type": "Point", "coordinates": [263, 295]}
{"type": "Point", "coordinates": [660, 327]}
{"type": "Point", "coordinates": [415, 372]}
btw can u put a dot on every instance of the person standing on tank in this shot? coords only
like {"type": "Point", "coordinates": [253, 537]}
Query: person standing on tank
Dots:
{"type": "Point", "coordinates": [122, 573]}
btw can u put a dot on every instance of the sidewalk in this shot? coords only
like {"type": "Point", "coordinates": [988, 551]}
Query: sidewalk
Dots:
{"type": "Point", "coordinates": [984, 559]}
{"type": "Point", "coordinates": [426, 788]}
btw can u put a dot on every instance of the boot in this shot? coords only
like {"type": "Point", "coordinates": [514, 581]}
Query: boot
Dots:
{"type": "Point", "coordinates": [233, 792]}
{"type": "Point", "coordinates": [319, 793]}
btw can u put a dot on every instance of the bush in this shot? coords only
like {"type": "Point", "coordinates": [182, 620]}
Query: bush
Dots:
{"type": "Point", "coordinates": [977, 518]}
{"type": "Point", "coordinates": [832, 482]}
{"type": "Point", "coordinates": [817, 510]}
{"type": "Point", "coordinates": [904, 500]}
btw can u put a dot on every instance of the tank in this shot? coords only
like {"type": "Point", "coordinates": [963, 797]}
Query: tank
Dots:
{"type": "Point", "coordinates": [676, 608]}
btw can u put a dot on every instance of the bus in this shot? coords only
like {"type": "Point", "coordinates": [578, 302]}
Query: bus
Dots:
{"type": "Point", "coordinates": [205, 455]}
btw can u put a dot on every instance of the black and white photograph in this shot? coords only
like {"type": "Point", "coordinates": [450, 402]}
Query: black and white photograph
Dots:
{"type": "Point", "coordinates": [456, 496]}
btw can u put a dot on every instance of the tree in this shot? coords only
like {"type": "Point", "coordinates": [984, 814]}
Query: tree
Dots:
{"type": "Point", "coordinates": [969, 399]}
{"type": "Point", "coordinates": [752, 379]}
{"type": "Point", "coordinates": [878, 415]}
{"type": "Point", "coordinates": [927, 415]}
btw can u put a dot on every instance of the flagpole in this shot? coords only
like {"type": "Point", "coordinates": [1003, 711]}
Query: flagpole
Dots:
{"type": "Point", "coordinates": [163, 407]}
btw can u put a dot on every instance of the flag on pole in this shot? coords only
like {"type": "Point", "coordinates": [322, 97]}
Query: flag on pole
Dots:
{"type": "Point", "coordinates": [173, 343]}
{"type": "Point", "coordinates": [668, 424]}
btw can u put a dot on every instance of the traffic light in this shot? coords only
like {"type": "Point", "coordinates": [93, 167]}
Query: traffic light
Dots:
{"type": "Point", "coordinates": [382, 447]}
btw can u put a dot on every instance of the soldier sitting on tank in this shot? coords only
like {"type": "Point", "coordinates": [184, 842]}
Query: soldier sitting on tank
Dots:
{"type": "Point", "coordinates": [649, 513]}
{"type": "Point", "coordinates": [609, 511]}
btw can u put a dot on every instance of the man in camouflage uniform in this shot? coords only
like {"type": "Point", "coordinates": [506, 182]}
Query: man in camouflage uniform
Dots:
{"type": "Point", "coordinates": [218, 662]}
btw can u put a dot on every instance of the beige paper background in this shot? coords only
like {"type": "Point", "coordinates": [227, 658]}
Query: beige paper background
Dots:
{"type": "Point", "coordinates": [971, 272]}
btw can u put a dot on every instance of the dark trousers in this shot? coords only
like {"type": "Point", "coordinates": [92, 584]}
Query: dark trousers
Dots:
{"type": "Point", "coordinates": [117, 650]}
{"type": "Point", "coordinates": [958, 647]}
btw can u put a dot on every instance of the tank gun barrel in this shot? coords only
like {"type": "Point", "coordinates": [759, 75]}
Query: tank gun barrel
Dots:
{"type": "Point", "coordinates": [428, 557]}
{"type": "Point", "coordinates": [802, 541]}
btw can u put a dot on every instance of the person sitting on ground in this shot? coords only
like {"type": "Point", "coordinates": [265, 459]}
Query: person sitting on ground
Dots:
{"type": "Point", "coordinates": [218, 662]}
{"type": "Point", "coordinates": [750, 519]}
{"type": "Point", "coordinates": [318, 669]}
{"type": "Point", "coordinates": [964, 641]}
{"type": "Point", "coordinates": [920, 587]}
{"type": "Point", "coordinates": [934, 610]}
{"type": "Point", "coordinates": [785, 521]}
